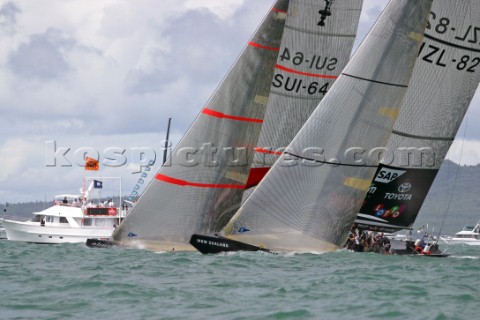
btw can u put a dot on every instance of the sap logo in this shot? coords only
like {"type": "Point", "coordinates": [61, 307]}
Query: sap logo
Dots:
{"type": "Point", "coordinates": [387, 175]}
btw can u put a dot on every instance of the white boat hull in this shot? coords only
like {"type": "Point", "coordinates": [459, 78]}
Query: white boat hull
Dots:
{"type": "Point", "coordinates": [470, 242]}
{"type": "Point", "coordinates": [28, 231]}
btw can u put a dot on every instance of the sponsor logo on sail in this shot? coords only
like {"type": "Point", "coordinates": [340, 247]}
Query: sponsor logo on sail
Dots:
{"type": "Point", "coordinates": [398, 196]}
{"type": "Point", "coordinates": [387, 175]}
{"type": "Point", "coordinates": [404, 187]}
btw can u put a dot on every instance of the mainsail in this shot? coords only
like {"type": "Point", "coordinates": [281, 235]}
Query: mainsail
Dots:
{"type": "Point", "coordinates": [309, 199]}
{"type": "Point", "coordinates": [204, 196]}
{"type": "Point", "coordinates": [201, 186]}
{"type": "Point", "coordinates": [446, 75]}
{"type": "Point", "coordinates": [316, 45]}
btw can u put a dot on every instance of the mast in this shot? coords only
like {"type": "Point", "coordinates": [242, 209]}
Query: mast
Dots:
{"type": "Point", "coordinates": [309, 199]}
{"type": "Point", "coordinates": [166, 141]}
{"type": "Point", "coordinates": [445, 78]}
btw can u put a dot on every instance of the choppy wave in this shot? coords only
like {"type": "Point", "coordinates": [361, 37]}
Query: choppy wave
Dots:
{"type": "Point", "coordinates": [72, 281]}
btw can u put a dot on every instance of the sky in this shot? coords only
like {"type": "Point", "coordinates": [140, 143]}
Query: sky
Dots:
{"type": "Point", "coordinates": [104, 76]}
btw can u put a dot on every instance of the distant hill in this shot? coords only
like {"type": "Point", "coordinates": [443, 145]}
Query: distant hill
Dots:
{"type": "Point", "coordinates": [455, 194]}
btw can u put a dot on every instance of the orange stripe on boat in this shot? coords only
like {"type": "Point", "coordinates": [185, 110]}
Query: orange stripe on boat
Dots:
{"type": "Point", "coordinates": [262, 150]}
{"type": "Point", "coordinates": [279, 10]}
{"type": "Point", "coordinates": [184, 183]}
{"type": "Point", "coordinates": [217, 114]}
{"type": "Point", "coordinates": [258, 45]}
{"type": "Point", "coordinates": [325, 76]}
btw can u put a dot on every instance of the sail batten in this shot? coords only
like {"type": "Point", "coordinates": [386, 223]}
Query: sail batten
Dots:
{"type": "Point", "coordinates": [221, 115]}
{"type": "Point", "coordinates": [404, 134]}
{"type": "Point", "coordinates": [375, 81]}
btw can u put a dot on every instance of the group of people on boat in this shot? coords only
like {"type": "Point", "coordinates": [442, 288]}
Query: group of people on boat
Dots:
{"type": "Point", "coordinates": [368, 241]}
{"type": "Point", "coordinates": [84, 204]}
{"type": "Point", "coordinates": [425, 247]}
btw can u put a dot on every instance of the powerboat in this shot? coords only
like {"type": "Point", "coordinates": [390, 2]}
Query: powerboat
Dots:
{"type": "Point", "coordinates": [72, 218]}
{"type": "Point", "coordinates": [470, 235]}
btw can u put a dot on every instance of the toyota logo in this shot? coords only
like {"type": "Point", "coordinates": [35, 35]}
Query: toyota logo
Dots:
{"type": "Point", "coordinates": [404, 187]}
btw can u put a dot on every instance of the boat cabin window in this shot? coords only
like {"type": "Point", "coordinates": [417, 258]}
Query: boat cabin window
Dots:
{"type": "Point", "coordinates": [87, 222]}
{"type": "Point", "coordinates": [49, 219]}
{"type": "Point", "coordinates": [63, 220]}
{"type": "Point", "coordinates": [99, 222]}
{"type": "Point", "coordinates": [37, 218]}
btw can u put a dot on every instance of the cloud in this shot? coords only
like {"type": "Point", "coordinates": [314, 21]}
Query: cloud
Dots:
{"type": "Point", "coordinates": [110, 73]}
{"type": "Point", "coordinates": [41, 58]}
{"type": "Point", "coordinates": [8, 17]}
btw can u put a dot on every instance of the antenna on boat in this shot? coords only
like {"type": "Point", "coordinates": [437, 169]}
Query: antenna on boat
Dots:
{"type": "Point", "coordinates": [166, 142]}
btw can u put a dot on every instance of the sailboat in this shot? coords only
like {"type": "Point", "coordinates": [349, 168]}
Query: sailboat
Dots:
{"type": "Point", "coordinates": [202, 186]}
{"type": "Point", "coordinates": [308, 201]}
{"type": "Point", "coordinates": [444, 81]}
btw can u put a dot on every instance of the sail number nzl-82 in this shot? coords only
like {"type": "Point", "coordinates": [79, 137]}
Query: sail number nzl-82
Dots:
{"type": "Point", "coordinates": [442, 25]}
{"type": "Point", "coordinates": [438, 52]}
{"type": "Point", "coordinates": [436, 55]}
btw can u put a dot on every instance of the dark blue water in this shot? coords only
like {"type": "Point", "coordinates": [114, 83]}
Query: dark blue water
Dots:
{"type": "Point", "coordinates": [72, 281]}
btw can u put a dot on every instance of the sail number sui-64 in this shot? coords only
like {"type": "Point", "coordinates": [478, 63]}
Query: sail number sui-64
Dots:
{"type": "Point", "coordinates": [313, 62]}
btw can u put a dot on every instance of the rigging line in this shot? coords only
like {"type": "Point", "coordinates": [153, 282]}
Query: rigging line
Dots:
{"type": "Point", "coordinates": [456, 176]}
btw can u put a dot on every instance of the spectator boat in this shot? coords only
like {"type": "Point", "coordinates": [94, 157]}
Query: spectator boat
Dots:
{"type": "Point", "coordinates": [469, 235]}
{"type": "Point", "coordinates": [72, 218]}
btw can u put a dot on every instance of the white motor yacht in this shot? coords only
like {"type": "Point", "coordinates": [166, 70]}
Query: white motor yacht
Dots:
{"type": "Point", "coordinates": [469, 235]}
{"type": "Point", "coordinates": [72, 218]}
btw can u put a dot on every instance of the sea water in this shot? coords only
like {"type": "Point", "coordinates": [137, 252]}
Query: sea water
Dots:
{"type": "Point", "coordinates": [72, 281]}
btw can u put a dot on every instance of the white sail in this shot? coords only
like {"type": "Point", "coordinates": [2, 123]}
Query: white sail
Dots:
{"type": "Point", "coordinates": [309, 199]}
{"type": "Point", "coordinates": [201, 186]}
{"type": "Point", "coordinates": [316, 46]}
{"type": "Point", "coordinates": [203, 197]}
{"type": "Point", "coordinates": [445, 78]}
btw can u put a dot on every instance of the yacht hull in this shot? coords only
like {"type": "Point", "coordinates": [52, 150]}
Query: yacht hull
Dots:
{"type": "Point", "coordinates": [28, 231]}
{"type": "Point", "coordinates": [215, 244]}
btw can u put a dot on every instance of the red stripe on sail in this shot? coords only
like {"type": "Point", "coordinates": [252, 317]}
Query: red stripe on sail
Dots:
{"type": "Point", "coordinates": [279, 10]}
{"type": "Point", "coordinates": [217, 114]}
{"type": "Point", "coordinates": [255, 176]}
{"type": "Point", "coordinates": [184, 183]}
{"type": "Point", "coordinates": [258, 45]}
{"type": "Point", "coordinates": [262, 150]}
{"type": "Point", "coordinates": [325, 76]}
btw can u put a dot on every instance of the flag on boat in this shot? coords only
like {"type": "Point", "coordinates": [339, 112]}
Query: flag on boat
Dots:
{"type": "Point", "coordinates": [91, 164]}
{"type": "Point", "coordinates": [97, 184]}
